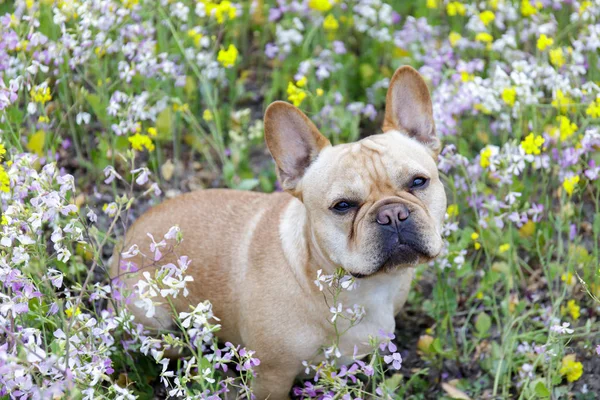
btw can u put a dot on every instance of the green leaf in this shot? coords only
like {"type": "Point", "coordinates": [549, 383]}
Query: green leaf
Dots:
{"type": "Point", "coordinates": [393, 381]}
{"type": "Point", "coordinates": [247, 184]}
{"type": "Point", "coordinates": [99, 107]}
{"type": "Point", "coordinates": [228, 172]}
{"type": "Point", "coordinates": [541, 390]}
{"type": "Point", "coordinates": [190, 88]}
{"type": "Point", "coordinates": [596, 226]}
{"type": "Point", "coordinates": [164, 123]}
{"type": "Point", "coordinates": [483, 323]}
{"type": "Point", "coordinates": [436, 346]}
{"type": "Point", "coordinates": [265, 184]}
{"type": "Point", "coordinates": [15, 115]}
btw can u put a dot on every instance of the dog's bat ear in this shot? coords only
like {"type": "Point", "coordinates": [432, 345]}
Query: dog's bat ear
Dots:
{"type": "Point", "coordinates": [408, 108]}
{"type": "Point", "coordinates": [293, 140]}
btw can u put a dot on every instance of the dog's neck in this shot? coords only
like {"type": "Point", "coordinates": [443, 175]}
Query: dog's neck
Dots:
{"type": "Point", "coordinates": [303, 256]}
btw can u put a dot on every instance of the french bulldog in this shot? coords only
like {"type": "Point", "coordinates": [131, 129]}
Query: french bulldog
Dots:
{"type": "Point", "coordinates": [374, 208]}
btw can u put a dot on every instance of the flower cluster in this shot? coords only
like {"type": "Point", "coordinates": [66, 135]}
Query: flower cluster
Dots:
{"type": "Point", "coordinates": [41, 237]}
{"type": "Point", "coordinates": [332, 376]}
{"type": "Point", "coordinates": [115, 96]}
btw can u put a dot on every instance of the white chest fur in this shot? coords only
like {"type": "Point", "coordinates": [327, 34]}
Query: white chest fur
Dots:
{"type": "Point", "coordinates": [382, 297]}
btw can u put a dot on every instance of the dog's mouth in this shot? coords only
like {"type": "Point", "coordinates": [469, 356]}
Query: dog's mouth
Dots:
{"type": "Point", "coordinates": [399, 252]}
{"type": "Point", "coordinates": [404, 254]}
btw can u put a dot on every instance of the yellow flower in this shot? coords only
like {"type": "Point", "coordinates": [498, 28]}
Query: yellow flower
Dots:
{"type": "Point", "coordinates": [301, 82]}
{"type": "Point", "coordinates": [504, 248]}
{"type": "Point", "coordinates": [227, 57]}
{"type": "Point", "coordinates": [152, 131]}
{"type": "Point", "coordinates": [70, 312]}
{"type": "Point", "coordinates": [424, 343]}
{"type": "Point", "coordinates": [570, 368]}
{"type": "Point", "coordinates": [100, 52]}
{"type": "Point", "coordinates": [4, 180]}
{"type": "Point", "coordinates": [484, 37]}
{"type": "Point", "coordinates": [561, 102]}
{"type": "Point", "coordinates": [454, 7]}
{"type": "Point", "coordinates": [544, 41]}
{"type": "Point", "coordinates": [431, 4]}
{"type": "Point", "coordinates": [474, 237]}
{"type": "Point", "coordinates": [129, 3]}
{"type": "Point", "coordinates": [528, 229]}
{"type": "Point", "coordinates": [330, 23]}
{"type": "Point", "coordinates": [568, 278]}
{"type": "Point", "coordinates": [527, 9]}
{"type": "Point", "coordinates": [486, 17]}
{"type": "Point", "coordinates": [320, 5]}
{"type": "Point", "coordinates": [2, 151]}
{"type": "Point", "coordinates": [569, 184]}
{"type": "Point", "coordinates": [40, 95]}
{"type": "Point", "coordinates": [295, 94]}
{"type": "Point", "coordinates": [223, 9]}
{"type": "Point", "coordinates": [454, 38]}
{"type": "Point", "coordinates": [36, 143]}
{"type": "Point", "coordinates": [509, 95]}
{"type": "Point", "coordinates": [593, 109]}
{"type": "Point", "coordinates": [584, 6]}
{"type": "Point", "coordinates": [22, 45]}
{"type": "Point", "coordinates": [138, 142]}
{"type": "Point", "coordinates": [479, 295]}
{"type": "Point", "coordinates": [183, 108]}
{"type": "Point", "coordinates": [452, 210]}
{"type": "Point", "coordinates": [566, 127]}
{"type": "Point", "coordinates": [3, 220]}
{"type": "Point", "coordinates": [319, 92]}
{"type": "Point", "coordinates": [482, 108]}
{"type": "Point", "coordinates": [557, 58]}
{"type": "Point", "coordinates": [465, 76]}
{"type": "Point", "coordinates": [532, 144]}
{"type": "Point", "coordinates": [43, 119]}
{"type": "Point", "coordinates": [196, 36]}
{"type": "Point", "coordinates": [572, 309]}
{"type": "Point", "coordinates": [486, 154]}
{"type": "Point", "coordinates": [207, 115]}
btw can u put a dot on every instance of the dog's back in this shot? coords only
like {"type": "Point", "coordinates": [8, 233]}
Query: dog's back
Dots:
{"type": "Point", "coordinates": [218, 227]}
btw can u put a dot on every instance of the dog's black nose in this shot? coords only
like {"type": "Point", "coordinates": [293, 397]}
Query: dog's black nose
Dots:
{"type": "Point", "coordinates": [392, 215]}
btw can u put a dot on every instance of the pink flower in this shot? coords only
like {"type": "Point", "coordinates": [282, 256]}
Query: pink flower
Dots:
{"type": "Point", "coordinates": [110, 174]}
{"type": "Point", "coordinates": [562, 329]}
{"type": "Point", "coordinates": [143, 176]}
{"type": "Point", "coordinates": [395, 359]}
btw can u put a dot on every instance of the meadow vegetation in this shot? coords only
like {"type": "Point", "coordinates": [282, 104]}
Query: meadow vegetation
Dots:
{"type": "Point", "coordinates": [110, 106]}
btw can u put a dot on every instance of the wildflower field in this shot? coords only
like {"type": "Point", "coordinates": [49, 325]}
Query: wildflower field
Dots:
{"type": "Point", "coordinates": [108, 107]}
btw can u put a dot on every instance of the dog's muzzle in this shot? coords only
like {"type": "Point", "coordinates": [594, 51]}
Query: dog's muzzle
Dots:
{"type": "Point", "coordinates": [400, 238]}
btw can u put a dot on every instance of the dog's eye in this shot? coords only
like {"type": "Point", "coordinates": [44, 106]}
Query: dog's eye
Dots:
{"type": "Point", "coordinates": [418, 182]}
{"type": "Point", "coordinates": [342, 206]}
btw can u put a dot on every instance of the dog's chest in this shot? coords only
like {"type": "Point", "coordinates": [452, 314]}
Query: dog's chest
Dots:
{"type": "Point", "coordinates": [382, 298]}
{"type": "Point", "coordinates": [356, 339]}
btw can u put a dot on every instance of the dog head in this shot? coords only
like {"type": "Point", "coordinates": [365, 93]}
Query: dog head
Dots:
{"type": "Point", "coordinates": [375, 204]}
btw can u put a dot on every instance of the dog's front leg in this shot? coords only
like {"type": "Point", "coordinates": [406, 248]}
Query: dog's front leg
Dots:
{"type": "Point", "coordinates": [273, 383]}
